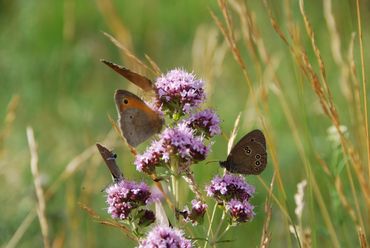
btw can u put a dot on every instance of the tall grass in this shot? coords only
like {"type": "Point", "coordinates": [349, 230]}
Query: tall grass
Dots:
{"type": "Point", "coordinates": [299, 37]}
{"type": "Point", "coordinates": [292, 68]}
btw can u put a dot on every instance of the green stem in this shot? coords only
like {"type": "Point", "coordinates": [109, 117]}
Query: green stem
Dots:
{"type": "Point", "coordinates": [223, 233]}
{"type": "Point", "coordinates": [175, 179]}
{"type": "Point", "coordinates": [220, 224]}
{"type": "Point", "coordinates": [210, 225]}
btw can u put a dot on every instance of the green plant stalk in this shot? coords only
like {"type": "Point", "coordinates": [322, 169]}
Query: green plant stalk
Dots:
{"type": "Point", "coordinates": [174, 164]}
{"type": "Point", "coordinates": [210, 225]}
{"type": "Point", "coordinates": [220, 224]}
{"type": "Point", "coordinates": [223, 233]}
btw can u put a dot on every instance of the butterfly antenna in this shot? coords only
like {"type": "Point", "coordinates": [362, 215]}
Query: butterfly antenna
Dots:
{"type": "Point", "coordinates": [213, 161]}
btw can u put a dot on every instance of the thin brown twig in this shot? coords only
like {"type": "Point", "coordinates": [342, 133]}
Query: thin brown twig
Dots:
{"type": "Point", "coordinates": [266, 234]}
{"type": "Point", "coordinates": [128, 53]}
{"type": "Point", "coordinates": [41, 206]}
{"type": "Point", "coordinates": [362, 238]}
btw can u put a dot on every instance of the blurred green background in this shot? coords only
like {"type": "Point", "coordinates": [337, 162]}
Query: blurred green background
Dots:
{"type": "Point", "coordinates": [49, 63]}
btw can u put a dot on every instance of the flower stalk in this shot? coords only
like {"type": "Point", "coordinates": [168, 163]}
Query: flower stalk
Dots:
{"type": "Point", "coordinates": [174, 165]}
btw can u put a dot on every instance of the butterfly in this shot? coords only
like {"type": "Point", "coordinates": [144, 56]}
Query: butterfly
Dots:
{"type": "Point", "coordinates": [139, 80]}
{"type": "Point", "coordinates": [137, 120]}
{"type": "Point", "coordinates": [248, 156]}
{"type": "Point", "coordinates": [110, 160]}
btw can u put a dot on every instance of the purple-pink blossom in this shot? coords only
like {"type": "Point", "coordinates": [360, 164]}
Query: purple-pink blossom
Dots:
{"type": "Point", "coordinates": [162, 236]}
{"type": "Point", "coordinates": [240, 211]}
{"type": "Point", "coordinates": [124, 196]}
{"type": "Point", "coordinates": [179, 141]}
{"type": "Point", "coordinates": [196, 214]}
{"type": "Point", "coordinates": [153, 156]}
{"type": "Point", "coordinates": [179, 90]}
{"type": "Point", "coordinates": [185, 144]}
{"type": "Point", "coordinates": [206, 121]}
{"type": "Point", "coordinates": [230, 187]}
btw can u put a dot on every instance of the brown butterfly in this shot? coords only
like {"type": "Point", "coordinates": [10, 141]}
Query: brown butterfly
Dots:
{"type": "Point", "coordinates": [110, 160]}
{"type": "Point", "coordinates": [135, 78]}
{"type": "Point", "coordinates": [248, 156]}
{"type": "Point", "coordinates": [137, 120]}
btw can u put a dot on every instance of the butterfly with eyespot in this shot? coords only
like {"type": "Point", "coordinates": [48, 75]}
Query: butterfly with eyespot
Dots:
{"type": "Point", "coordinates": [248, 156]}
{"type": "Point", "coordinates": [137, 120]}
{"type": "Point", "coordinates": [139, 80]}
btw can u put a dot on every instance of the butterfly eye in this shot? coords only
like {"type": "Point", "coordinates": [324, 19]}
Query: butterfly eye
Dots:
{"type": "Point", "coordinates": [252, 140]}
{"type": "Point", "coordinates": [113, 157]}
{"type": "Point", "coordinates": [258, 163]}
{"type": "Point", "coordinates": [258, 156]}
{"type": "Point", "coordinates": [131, 117]}
{"type": "Point", "coordinates": [125, 101]}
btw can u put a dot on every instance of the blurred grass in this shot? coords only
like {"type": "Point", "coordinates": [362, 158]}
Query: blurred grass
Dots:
{"type": "Point", "coordinates": [49, 57]}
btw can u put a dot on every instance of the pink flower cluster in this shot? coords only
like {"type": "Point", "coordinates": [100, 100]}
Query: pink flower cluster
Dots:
{"type": "Point", "coordinates": [125, 196]}
{"type": "Point", "coordinates": [196, 214]}
{"type": "Point", "coordinates": [162, 236]}
{"type": "Point", "coordinates": [179, 90]}
{"type": "Point", "coordinates": [206, 122]}
{"type": "Point", "coordinates": [233, 192]}
{"type": "Point", "coordinates": [179, 140]}
{"type": "Point", "coordinates": [240, 211]}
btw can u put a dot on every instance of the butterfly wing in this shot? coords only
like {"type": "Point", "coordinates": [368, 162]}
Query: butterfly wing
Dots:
{"type": "Point", "coordinates": [137, 120]}
{"type": "Point", "coordinates": [249, 155]}
{"type": "Point", "coordinates": [110, 160]}
{"type": "Point", "coordinates": [135, 78]}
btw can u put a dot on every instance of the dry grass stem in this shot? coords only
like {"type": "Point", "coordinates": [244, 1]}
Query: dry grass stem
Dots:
{"type": "Point", "coordinates": [41, 206]}
{"type": "Point", "coordinates": [69, 170]}
{"type": "Point", "coordinates": [319, 82]}
{"type": "Point", "coordinates": [115, 23]}
{"type": "Point", "coordinates": [228, 32]}
{"type": "Point", "coordinates": [316, 50]}
{"type": "Point", "coordinates": [334, 35]}
{"type": "Point", "coordinates": [21, 230]}
{"type": "Point", "coordinates": [233, 134]}
{"type": "Point", "coordinates": [329, 107]}
{"type": "Point", "coordinates": [362, 238]}
{"type": "Point", "coordinates": [344, 200]}
{"type": "Point", "coordinates": [129, 54]}
{"type": "Point", "coordinates": [364, 91]}
{"type": "Point", "coordinates": [97, 218]}
{"type": "Point", "coordinates": [266, 234]}
{"type": "Point", "coordinates": [154, 65]}
{"type": "Point", "coordinates": [189, 178]}
{"type": "Point", "coordinates": [355, 87]}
